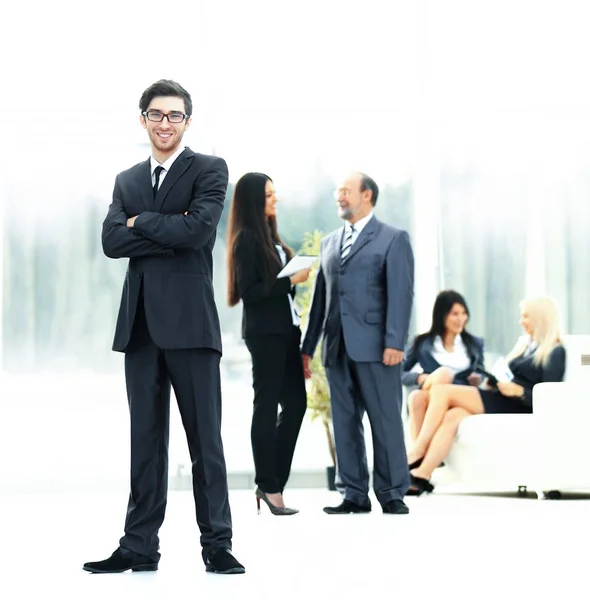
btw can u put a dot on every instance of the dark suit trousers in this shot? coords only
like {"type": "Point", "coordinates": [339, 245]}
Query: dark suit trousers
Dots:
{"type": "Point", "coordinates": [277, 374]}
{"type": "Point", "coordinates": [194, 375]}
{"type": "Point", "coordinates": [373, 387]}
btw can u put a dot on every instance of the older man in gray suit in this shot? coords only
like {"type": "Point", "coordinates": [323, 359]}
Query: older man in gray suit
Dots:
{"type": "Point", "coordinates": [362, 302]}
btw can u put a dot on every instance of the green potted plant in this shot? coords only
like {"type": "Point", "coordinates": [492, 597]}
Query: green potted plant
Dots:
{"type": "Point", "coordinates": [318, 393]}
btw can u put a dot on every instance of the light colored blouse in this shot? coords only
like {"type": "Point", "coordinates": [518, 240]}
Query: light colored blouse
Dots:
{"type": "Point", "coordinates": [294, 315]}
{"type": "Point", "coordinates": [457, 359]}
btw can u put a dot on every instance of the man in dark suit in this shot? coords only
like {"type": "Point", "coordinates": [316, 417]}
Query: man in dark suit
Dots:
{"type": "Point", "coordinates": [362, 303]}
{"type": "Point", "coordinates": [164, 217]}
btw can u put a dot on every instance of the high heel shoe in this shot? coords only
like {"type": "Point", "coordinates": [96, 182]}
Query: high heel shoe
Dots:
{"type": "Point", "coordinates": [275, 510]}
{"type": "Point", "coordinates": [421, 485]}
{"type": "Point", "coordinates": [418, 462]}
{"type": "Point", "coordinates": [415, 464]}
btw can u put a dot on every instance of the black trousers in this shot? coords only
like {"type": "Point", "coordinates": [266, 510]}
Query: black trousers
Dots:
{"type": "Point", "coordinates": [277, 374]}
{"type": "Point", "coordinates": [194, 375]}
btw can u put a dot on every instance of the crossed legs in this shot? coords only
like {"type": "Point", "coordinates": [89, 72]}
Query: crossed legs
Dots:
{"type": "Point", "coordinates": [418, 399]}
{"type": "Point", "coordinates": [448, 405]}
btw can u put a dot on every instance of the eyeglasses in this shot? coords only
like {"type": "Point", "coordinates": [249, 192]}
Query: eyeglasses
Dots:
{"type": "Point", "coordinates": [157, 117]}
{"type": "Point", "coordinates": [342, 192]}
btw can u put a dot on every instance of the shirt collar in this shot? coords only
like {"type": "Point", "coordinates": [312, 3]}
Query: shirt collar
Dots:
{"type": "Point", "coordinates": [457, 342]}
{"type": "Point", "coordinates": [531, 346]}
{"type": "Point", "coordinates": [168, 162]}
{"type": "Point", "coordinates": [360, 224]}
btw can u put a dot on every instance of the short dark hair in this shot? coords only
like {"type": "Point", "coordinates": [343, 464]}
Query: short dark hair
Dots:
{"type": "Point", "coordinates": [166, 87]}
{"type": "Point", "coordinates": [367, 183]}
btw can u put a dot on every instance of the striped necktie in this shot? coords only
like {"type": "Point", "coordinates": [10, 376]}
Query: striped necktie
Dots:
{"type": "Point", "coordinates": [347, 245]}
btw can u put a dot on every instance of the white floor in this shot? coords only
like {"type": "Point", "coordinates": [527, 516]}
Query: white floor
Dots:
{"type": "Point", "coordinates": [450, 546]}
{"type": "Point", "coordinates": [76, 444]}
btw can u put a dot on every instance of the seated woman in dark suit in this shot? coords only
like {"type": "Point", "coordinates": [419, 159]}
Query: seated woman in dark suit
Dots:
{"type": "Point", "coordinates": [446, 353]}
{"type": "Point", "coordinates": [270, 327]}
{"type": "Point", "coordinates": [538, 357]}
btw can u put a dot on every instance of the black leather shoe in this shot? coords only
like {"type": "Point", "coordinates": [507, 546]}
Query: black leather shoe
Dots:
{"type": "Point", "coordinates": [122, 560]}
{"type": "Point", "coordinates": [347, 507]}
{"type": "Point", "coordinates": [223, 562]}
{"type": "Point", "coordinates": [396, 507]}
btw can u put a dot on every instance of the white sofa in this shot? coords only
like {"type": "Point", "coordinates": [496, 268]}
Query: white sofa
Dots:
{"type": "Point", "coordinates": [547, 451]}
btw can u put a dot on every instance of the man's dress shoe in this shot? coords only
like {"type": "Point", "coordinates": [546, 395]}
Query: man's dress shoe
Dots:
{"type": "Point", "coordinates": [122, 560]}
{"type": "Point", "coordinates": [347, 507]}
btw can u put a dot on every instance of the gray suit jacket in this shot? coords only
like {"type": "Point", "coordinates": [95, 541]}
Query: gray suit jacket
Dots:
{"type": "Point", "coordinates": [367, 298]}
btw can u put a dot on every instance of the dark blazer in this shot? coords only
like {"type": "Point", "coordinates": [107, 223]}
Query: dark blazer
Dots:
{"type": "Point", "coordinates": [171, 253]}
{"type": "Point", "coordinates": [527, 373]}
{"type": "Point", "coordinates": [422, 355]}
{"type": "Point", "coordinates": [367, 298]}
{"type": "Point", "coordinates": [266, 309]}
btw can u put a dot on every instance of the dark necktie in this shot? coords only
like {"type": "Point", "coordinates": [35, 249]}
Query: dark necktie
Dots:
{"type": "Point", "coordinates": [347, 245]}
{"type": "Point", "coordinates": [157, 171]}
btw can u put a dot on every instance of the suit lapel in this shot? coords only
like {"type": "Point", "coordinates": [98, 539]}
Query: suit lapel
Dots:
{"type": "Point", "coordinates": [145, 184]}
{"type": "Point", "coordinates": [363, 239]}
{"type": "Point", "coordinates": [334, 250]}
{"type": "Point", "coordinates": [179, 166]}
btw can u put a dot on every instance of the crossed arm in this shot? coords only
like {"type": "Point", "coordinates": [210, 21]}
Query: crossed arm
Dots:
{"type": "Point", "coordinates": [119, 241]}
{"type": "Point", "coordinates": [157, 234]}
{"type": "Point", "coordinates": [194, 228]}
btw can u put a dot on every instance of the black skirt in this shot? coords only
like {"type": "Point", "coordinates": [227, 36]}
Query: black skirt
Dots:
{"type": "Point", "coordinates": [494, 402]}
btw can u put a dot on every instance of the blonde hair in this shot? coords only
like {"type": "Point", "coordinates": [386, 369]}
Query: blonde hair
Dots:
{"type": "Point", "coordinates": [543, 314]}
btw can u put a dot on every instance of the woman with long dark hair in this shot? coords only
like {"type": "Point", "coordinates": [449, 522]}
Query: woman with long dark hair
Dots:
{"type": "Point", "coordinates": [270, 328]}
{"type": "Point", "coordinates": [446, 354]}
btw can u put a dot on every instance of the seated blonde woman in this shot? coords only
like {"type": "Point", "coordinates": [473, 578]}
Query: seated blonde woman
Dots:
{"type": "Point", "coordinates": [537, 357]}
{"type": "Point", "coordinates": [447, 353]}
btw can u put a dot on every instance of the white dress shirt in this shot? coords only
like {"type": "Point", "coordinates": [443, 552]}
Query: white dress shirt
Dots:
{"type": "Point", "coordinates": [358, 227]}
{"type": "Point", "coordinates": [165, 165]}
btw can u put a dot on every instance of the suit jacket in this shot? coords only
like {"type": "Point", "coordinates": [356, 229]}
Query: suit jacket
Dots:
{"type": "Point", "coordinates": [422, 355]}
{"type": "Point", "coordinates": [527, 373]}
{"type": "Point", "coordinates": [266, 309]}
{"type": "Point", "coordinates": [169, 252]}
{"type": "Point", "coordinates": [367, 298]}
